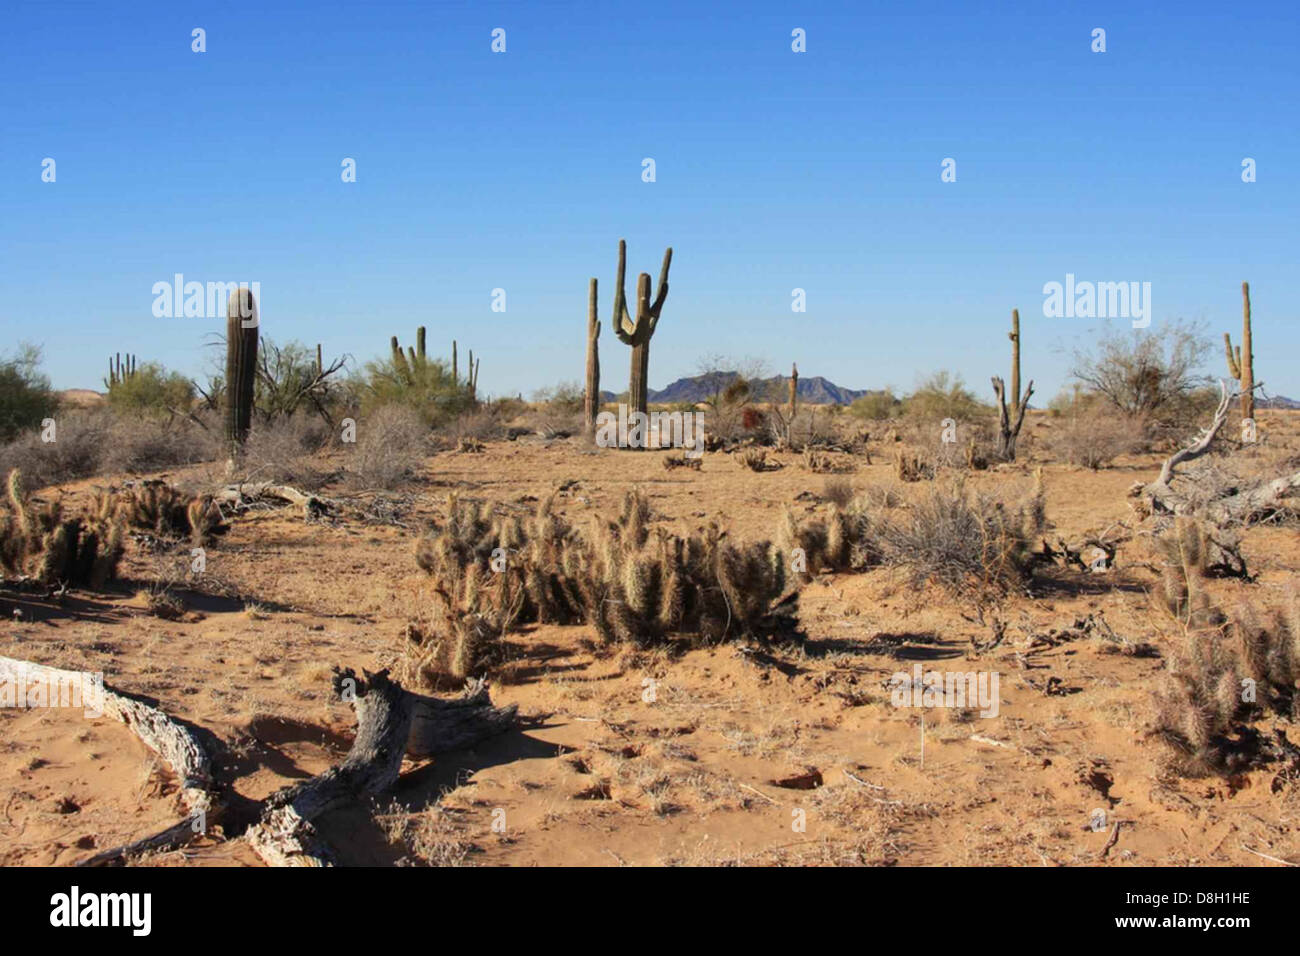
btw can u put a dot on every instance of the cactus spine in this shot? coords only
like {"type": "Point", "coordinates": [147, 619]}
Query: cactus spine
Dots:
{"type": "Point", "coordinates": [1242, 364]}
{"type": "Point", "coordinates": [638, 334]}
{"type": "Point", "coordinates": [591, 404]}
{"type": "Point", "coordinates": [241, 366]}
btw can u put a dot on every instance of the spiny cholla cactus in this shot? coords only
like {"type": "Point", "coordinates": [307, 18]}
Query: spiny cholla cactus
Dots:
{"type": "Point", "coordinates": [241, 366]}
{"type": "Point", "coordinates": [158, 507]}
{"type": "Point", "coordinates": [40, 543]}
{"type": "Point", "coordinates": [491, 572]}
{"type": "Point", "coordinates": [638, 333]}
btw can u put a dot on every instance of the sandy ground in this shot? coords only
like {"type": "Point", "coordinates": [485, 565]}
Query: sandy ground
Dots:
{"type": "Point", "coordinates": [647, 758]}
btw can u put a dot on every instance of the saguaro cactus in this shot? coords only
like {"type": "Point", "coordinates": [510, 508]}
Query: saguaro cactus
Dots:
{"type": "Point", "coordinates": [794, 391]}
{"type": "Point", "coordinates": [1011, 419]}
{"type": "Point", "coordinates": [591, 402]}
{"type": "Point", "coordinates": [241, 366]}
{"type": "Point", "coordinates": [1242, 364]}
{"type": "Point", "coordinates": [120, 372]}
{"type": "Point", "coordinates": [638, 334]}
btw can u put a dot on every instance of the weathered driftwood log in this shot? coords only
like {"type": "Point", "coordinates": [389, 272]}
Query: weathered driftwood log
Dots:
{"type": "Point", "coordinates": [391, 722]}
{"type": "Point", "coordinates": [175, 743]}
{"type": "Point", "coordinates": [1239, 505]}
{"type": "Point", "coordinates": [243, 494]}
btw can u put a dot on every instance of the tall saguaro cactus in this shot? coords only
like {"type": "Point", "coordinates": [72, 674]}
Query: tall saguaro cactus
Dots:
{"type": "Point", "coordinates": [591, 402]}
{"type": "Point", "coordinates": [1011, 419]}
{"type": "Point", "coordinates": [1242, 364]}
{"type": "Point", "coordinates": [241, 366]}
{"type": "Point", "coordinates": [794, 391]}
{"type": "Point", "coordinates": [638, 334]}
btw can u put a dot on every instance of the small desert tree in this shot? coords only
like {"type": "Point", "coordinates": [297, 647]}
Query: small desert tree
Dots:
{"type": "Point", "coordinates": [25, 394]}
{"type": "Point", "coordinates": [1147, 373]}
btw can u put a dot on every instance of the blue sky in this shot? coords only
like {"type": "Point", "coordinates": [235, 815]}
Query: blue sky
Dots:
{"type": "Point", "coordinates": [775, 170]}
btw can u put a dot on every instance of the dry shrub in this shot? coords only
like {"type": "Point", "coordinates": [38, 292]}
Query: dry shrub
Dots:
{"type": "Point", "coordinates": [1094, 437]}
{"type": "Point", "coordinates": [89, 442]}
{"type": "Point", "coordinates": [287, 450]}
{"type": "Point", "coordinates": [755, 459]}
{"type": "Point", "coordinates": [970, 544]}
{"type": "Point", "coordinates": [838, 491]}
{"type": "Point", "coordinates": [390, 447]}
{"type": "Point", "coordinates": [1225, 669]}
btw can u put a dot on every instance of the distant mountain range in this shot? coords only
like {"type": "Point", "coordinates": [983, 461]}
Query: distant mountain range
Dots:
{"type": "Point", "coordinates": [815, 390]}
{"type": "Point", "coordinates": [1277, 401]}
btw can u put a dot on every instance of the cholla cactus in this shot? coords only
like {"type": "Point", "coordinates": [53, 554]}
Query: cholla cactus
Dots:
{"type": "Point", "coordinates": [490, 572]}
{"type": "Point", "coordinates": [42, 544]}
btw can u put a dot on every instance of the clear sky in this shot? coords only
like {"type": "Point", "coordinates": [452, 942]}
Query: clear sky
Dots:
{"type": "Point", "coordinates": [775, 170]}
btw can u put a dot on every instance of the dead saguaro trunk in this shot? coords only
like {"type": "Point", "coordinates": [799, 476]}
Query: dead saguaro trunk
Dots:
{"type": "Point", "coordinates": [241, 367]}
{"type": "Point", "coordinates": [591, 403]}
{"type": "Point", "coordinates": [1010, 419]}
{"type": "Point", "coordinates": [637, 334]}
{"type": "Point", "coordinates": [1242, 364]}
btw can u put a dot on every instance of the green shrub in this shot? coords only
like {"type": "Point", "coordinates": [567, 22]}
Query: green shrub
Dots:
{"type": "Point", "coordinates": [944, 395]}
{"type": "Point", "coordinates": [426, 386]}
{"type": "Point", "coordinates": [26, 398]}
{"type": "Point", "coordinates": [153, 390]}
{"type": "Point", "coordinates": [877, 406]}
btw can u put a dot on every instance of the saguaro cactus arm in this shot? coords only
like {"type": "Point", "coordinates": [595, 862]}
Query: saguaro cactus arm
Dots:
{"type": "Point", "coordinates": [638, 331]}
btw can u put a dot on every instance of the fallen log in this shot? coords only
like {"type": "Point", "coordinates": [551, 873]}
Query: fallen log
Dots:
{"type": "Point", "coordinates": [1237, 506]}
{"type": "Point", "coordinates": [175, 743]}
{"type": "Point", "coordinates": [241, 495]}
{"type": "Point", "coordinates": [391, 723]}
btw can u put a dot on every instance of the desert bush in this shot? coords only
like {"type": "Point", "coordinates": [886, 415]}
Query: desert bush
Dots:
{"type": "Point", "coordinates": [143, 445]}
{"type": "Point", "coordinates": [39, 542]}
{"type": "Point", "coordinates": [288, 449]}
{"type": "Point", "coordinates": [755, 459]}
{"type": "Point", "coordinates": [1148, 373]}
{"type": "Point", "coordinates": [425, 386]}
{"type": "Point", "coordinates": [26, 398]}
{"type": "Point", "coordinates": [151, 390]}
{"type": "Point", "coordinates": [1093, 438]}
{"type": "Point", "coordinates": [943, 395]}
{"type": "Point", "coordinates": [391, 446]}
{"type": "Point", "coordinates": [877, 406]}
{"type": "Point", "coordinates": [838, 491]}
{"type": "Point", "coordinates": [81, 440]}
{"type": "Point", "coordinates": [289, 383]}
{"type": "Point", "coordinates": [969, 544]}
